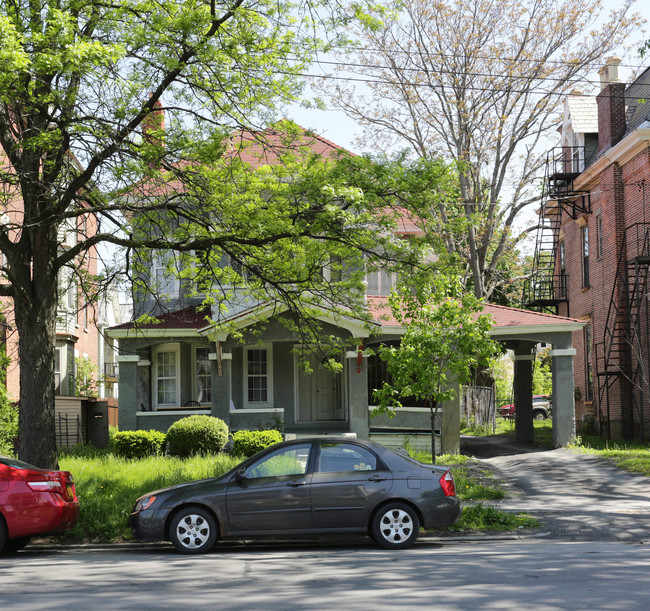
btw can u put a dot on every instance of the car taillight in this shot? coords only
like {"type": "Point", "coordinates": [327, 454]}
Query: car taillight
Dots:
{"type": "Point", "coordinates": [46, 486]}
{"type": "Point", "coordinates": [447, 484]}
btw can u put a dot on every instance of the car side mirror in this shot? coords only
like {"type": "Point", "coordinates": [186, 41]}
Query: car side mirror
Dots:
{"type": "Point", "coordinates": [240, 476]}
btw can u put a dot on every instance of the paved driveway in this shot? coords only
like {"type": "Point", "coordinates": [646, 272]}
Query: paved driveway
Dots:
{"type": "Point", "coordinates": [577, 496]}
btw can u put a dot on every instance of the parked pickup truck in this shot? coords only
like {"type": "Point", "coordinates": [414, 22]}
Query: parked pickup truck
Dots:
{"type": "Point", "coordinates": [541, 408]}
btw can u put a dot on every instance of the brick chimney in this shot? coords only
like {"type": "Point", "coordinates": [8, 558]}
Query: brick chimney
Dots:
{"type": "Point", "coordinates": [611, 105]}
{"type": "Point", "coordinates": [153, 125]}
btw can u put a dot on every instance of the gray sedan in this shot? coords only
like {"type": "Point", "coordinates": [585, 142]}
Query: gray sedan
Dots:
{"type": "Point", "coordinates": [304, 487]}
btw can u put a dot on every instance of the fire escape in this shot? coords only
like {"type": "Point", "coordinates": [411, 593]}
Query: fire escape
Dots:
{"type": "Point", "coordinates": [625, 354]}
{"type": "Point", "coordinates": [545, 290]}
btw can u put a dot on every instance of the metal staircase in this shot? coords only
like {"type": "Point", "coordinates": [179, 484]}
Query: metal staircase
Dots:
{"type": "Point", "coordinates": [545, 290]}
{"type": "Point", "coordinates": [624, 356]}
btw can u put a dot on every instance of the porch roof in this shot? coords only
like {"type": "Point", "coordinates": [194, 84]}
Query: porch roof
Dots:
{"type": "Point", "coordinates": [507, 321]}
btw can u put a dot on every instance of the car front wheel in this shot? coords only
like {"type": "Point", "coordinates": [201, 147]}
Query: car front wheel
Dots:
{"type": "Point", "coordinates": [193, 530]}
{"type": "Point", "coordinates": [395, 526]}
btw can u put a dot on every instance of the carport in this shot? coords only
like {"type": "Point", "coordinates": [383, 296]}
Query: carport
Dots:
{"type": "Point", "coordinates": [521, 331]}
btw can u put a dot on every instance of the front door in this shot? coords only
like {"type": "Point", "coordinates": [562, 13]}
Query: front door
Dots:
{"type": "Point", "coordinates": [319, 393]}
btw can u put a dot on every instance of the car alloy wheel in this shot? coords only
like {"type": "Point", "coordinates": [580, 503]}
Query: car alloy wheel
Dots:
{"type": "Point", "coordinates": [395, 526]}
{"type": "Point", "coordinates": [193, 530]}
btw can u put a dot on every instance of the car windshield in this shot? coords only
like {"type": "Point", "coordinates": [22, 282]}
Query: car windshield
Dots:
{"type": "Point", "coordinates": [16, 464]}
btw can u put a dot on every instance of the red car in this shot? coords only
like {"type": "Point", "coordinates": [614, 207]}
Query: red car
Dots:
{"type": "Point", "coordinates": [541, 408]}
{"type": "Point", "coordinates": [33, 501]}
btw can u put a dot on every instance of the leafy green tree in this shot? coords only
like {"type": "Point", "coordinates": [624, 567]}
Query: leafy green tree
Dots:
{"type": "Point", "coordinates": [82, 86]}
{"type": "Point", "coordinates": [447, 337]}
{"type": "Point", "coordinates": [116, 127]}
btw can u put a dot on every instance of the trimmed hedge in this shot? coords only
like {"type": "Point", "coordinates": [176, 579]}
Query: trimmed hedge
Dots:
{"type": "Point", "coordinates": [139, 444]}
{"type": "Point", "coordinates": [247, 443]}
{"type": "Point", "coordinates": [197, 434]}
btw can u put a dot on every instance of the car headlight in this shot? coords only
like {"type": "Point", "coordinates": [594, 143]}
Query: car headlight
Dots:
{"type": "Point", "coordinates": [143, 503]}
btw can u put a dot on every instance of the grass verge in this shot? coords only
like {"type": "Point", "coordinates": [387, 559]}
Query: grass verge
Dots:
{"type": "Point", "coordinates": [107, 487]}
{"type": "Point", "coordinates": [475, 484]}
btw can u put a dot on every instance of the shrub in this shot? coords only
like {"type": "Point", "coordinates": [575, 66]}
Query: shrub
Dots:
{"type": "Point", "coordinates": [197, 435]}
{"type": "Point", "coordinates": [247, 443]}
{"type": "Point", "coordinates": [139, 444]}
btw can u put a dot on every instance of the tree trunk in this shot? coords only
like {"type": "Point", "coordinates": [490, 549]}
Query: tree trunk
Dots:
{"type": "Point", "coordinates": [35, 306]}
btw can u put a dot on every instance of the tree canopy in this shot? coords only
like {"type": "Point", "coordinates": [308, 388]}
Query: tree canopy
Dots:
{"type": "Point", "coordinates": [118, 125]}
{"type": "Point", "coordinates": [479, 82]}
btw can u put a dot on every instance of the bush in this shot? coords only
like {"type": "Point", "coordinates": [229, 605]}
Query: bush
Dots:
{"type": "Point", "coordinates": [197, 435]}
{"type": "Point", "coordinates": [139, 444]}
{"type": "Point", "coordinates": [247, 443]}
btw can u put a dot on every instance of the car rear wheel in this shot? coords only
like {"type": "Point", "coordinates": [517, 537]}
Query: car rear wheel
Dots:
{"type": "Point", "coordinates": [193, 530]}
{"type": "Point", "coordinates": [3, 535]}
{"type": "Point", "coordinates": [15, 545]}
{"type": "Point", "coordinates": [539, 415]}
{"type": "Point", "coordinates": [395, 526]}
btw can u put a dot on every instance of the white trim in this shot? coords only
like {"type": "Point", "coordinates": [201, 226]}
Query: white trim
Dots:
{"type": "Point", "coordinates": [173, 412]}
{"type": "Point", "coordinates": [127, 358]}
{"type": "Point", "coordinates": [523, 357]}
{"type": "Point", "coordinates": [176, 349]}
{"type": "Point", "coordinates": [225, 356]}
{"type": "Point", "coordinates": [269, 376]}
{"type": "Point", "coordinates": [351, 354]}
{"type": "Point", "coordinates": [537, 329]}
{"type": "Point", "coordinates": [163, 332]}
{"type": "Point", "coordinates": [563, 352]}
{"type": "Point", "coordinates": [144, 363]}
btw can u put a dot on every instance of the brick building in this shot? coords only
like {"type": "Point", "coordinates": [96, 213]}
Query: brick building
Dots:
{"type": "Point", "coordinates": [593, 250]}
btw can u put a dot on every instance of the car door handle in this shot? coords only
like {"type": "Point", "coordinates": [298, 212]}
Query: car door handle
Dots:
{"type": "Point", "coordinates": [295, 483]}
{"type": "Point", "coordinates": [377, 478]}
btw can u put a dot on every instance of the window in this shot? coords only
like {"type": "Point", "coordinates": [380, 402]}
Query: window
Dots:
{"type": "Point", "coordinates": [166, 370]}
{"type": "Point", "coordinates": [380, 282]}
{"type": "Point", "coordinates": [165, 275]}
{"type": "Point", "coordinates": [202, 375]}
{"type": "Point", "coordinates": [599, 236]}
{"type": "Point", "coordinates": [258, 377]}
{"type": "Point", "coordinates": [341, 457]}
{"type": "Point", "coordinates": [57, 371]}
{"type": "Point", "coordinates": [584, 232]}
{"type": "Point", "coordinates": [282, 462]}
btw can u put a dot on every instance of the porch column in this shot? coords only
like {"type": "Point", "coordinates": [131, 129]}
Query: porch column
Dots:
{"type": "Point", "coordinates": [523, 391]}
{"type": "Point", "coordinates": [564, 414]}
{"type": "Point", "coordinates": [128, 398]}
{"type": "Point", "coordinates": [221, 385]}
{"type": "Point", "coordinates": [357, 393]}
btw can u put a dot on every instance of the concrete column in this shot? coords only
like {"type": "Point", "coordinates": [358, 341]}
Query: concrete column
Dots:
{"type": "Point", "coordinates": [564, 414]}
{"type": "Point", "coordinates": [523, 390]}
{"type": "Point", "coordinates": [221, 386]}
{"type": "Point", "coordinates": [357, 394]}
{"type": "Point", "coordinates": [128, 383]}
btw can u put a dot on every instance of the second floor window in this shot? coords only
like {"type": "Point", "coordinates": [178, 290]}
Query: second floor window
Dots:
{"type": "Point", "coordinates": [164, 275]}
{"type": "Point", "coordinates": [380, 283]}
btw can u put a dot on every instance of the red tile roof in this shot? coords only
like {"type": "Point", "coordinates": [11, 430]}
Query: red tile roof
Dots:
{"type": "Point", "coordinates": [503, 316]}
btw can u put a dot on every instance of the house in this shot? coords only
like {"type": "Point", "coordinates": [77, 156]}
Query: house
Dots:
{"type": "Point", "coordinates": [593, 250]}
{"type": "Point", "coordinates": [198, 359]}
